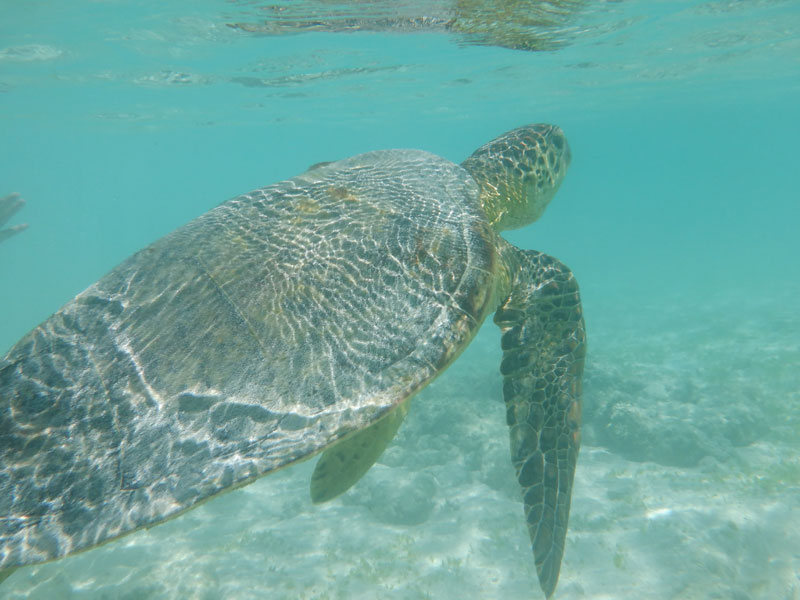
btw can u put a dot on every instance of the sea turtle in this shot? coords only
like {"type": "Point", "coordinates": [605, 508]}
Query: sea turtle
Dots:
{"type": "Point", "coordinates": [297, 318]}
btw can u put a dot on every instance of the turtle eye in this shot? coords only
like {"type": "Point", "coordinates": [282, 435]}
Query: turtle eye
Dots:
{"type": "Point", "coordinates": [558, 142]}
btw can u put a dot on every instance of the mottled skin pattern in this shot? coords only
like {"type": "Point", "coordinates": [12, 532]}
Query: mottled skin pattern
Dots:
{"type": "Point", "coordinates": [544, 344]}
{"type": "Point", "coordinates": [284, 321]}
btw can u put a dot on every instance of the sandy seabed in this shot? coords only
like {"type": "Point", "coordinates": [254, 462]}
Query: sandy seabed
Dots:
{"type": "Point", "coordinates": [688, 486]}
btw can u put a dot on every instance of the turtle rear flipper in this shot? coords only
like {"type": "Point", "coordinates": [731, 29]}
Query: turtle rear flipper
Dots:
{"type": "Point", "coordinates": [345, 463]}
{"type": "Point", "coordinates": [544, 344]}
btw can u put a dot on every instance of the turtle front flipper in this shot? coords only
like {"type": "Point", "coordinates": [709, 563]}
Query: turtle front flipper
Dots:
{"type": "Point", "coordinates": [544, 344]}
{"type": "Point", "coordinates": [341, 466]}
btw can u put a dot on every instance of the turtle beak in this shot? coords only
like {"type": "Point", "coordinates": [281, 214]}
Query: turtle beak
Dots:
{"type": "Point", "coordinates": [558, 140]}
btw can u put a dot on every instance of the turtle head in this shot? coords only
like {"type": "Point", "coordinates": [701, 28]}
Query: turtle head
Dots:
{"type": "Point", "coordinates": [519, 173]}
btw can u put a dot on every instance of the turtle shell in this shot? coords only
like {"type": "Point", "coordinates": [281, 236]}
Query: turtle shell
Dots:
{"type": "Point", "coordinates": [251, 338]}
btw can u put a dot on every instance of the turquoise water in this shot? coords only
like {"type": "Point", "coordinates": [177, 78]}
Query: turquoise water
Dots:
{"type": "Point", "coordinates": [680, 217]}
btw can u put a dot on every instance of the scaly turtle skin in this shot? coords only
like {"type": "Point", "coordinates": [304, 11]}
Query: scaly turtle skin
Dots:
{"type": "Point", "coordinates": [297, 318]}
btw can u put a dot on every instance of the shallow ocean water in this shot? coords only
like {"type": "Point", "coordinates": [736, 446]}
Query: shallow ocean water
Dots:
{"type": "Point", "coordinates": [679, 216]}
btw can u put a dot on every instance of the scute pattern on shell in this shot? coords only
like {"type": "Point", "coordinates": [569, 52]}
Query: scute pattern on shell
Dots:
{"type": "Point", "coordinates": [248, 339]}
